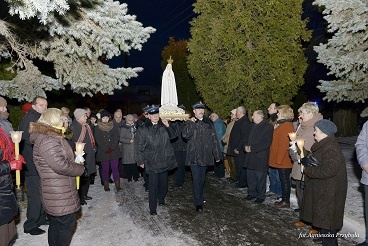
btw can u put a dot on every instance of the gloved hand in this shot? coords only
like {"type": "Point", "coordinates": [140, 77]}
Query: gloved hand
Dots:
{"type": "Point", "coordinates": [293, 155]}
{"type": "Point", "coordinates": [16, 165]}
{"type": "Point", "coordinates": [85, 174]}
{"type": "Point", "coordinates": [109, 150]}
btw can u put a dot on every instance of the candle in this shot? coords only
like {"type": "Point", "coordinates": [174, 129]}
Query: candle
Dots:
{"type": "Point", "coordinates": [79, 149]}
{"type": "Point", "coordinates": [300, 143]}
{"type": "Point", "coordinates": [16, 137]}
{"type": "Point", "coordinates": [292, 136]}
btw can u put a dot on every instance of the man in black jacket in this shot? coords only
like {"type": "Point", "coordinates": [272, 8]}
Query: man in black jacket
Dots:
{"type": "Point", "coordinates": [256, 159]}
{"type": "Point", "coordinates": [35, 213]}
{"type": "Point", "coordinates": [202, 149]}
{"type": "Point", "coordinates": [238, 139]}
{"type": "Point", "coordinates": [154, 152]}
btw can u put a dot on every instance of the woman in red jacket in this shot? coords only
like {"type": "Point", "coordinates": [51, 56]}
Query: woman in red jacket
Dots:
{"type": "Point", "coordinates": [279, 152]}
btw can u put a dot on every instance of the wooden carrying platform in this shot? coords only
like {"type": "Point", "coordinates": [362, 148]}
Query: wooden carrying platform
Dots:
{"type": "Point", "coordinates": [174, 117]}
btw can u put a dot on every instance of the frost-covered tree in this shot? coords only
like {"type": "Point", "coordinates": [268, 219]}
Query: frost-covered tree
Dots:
{"type": "Point", "coordinates": [247, 52]}
{"type": "Point", "coordinates": [74, 37]}
{"type": "Point", "coordinates": [346, 53]}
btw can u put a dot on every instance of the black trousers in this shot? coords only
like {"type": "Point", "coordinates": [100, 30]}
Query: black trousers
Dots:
{"type": "Point", "coordinates": [241, 173]}
{"type": "Point", "coordinates": [219, 169]}
{"type": "Point", "coordinates": [198, 177]}
{"type": "Point", "coordinates": [158, 186]}
{"type": "Point", "coordinates": [61, 229]}
{"type": "Point", "coordinates": [36, 216]}
{"type": "Point", "coordinates": [284, 174]}
{"type": "Point", "coordinates": [83, 187]}
{"type": "Point", "coordinates": [257, 183]}
{"type": "Point", "coordinates": [145, 178]}
{"type": "Point", "coordinates": [180, 172]}
{"type": "Point", "coordinates": [131, 170]}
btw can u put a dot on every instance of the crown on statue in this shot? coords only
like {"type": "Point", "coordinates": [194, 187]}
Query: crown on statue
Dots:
{"type": "Point", "coordinates": [170, 61]}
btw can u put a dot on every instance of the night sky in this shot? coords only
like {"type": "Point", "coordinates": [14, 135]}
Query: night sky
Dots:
{"type": "Point", "coordinates": [170, 19]}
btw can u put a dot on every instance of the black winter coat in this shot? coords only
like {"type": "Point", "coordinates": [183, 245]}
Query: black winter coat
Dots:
{"type": "Point", "coordinates": [25, 145]}
{"type": "Point", "coordinates": [203, 147]}
{"type": "Point", "coordinates": [179, 143]}
{"type": "Point", "coordinates": [325, 186]}
{"type": "Point", "coordinates": [8, 203]}
{"type": "Point", "coordinates": [153, 147]}
{"type": "Point", "coordinates": [239, 136]}
{"type": "Point", "coordinates": [107, 140]}
{"type": "Point", "coordinates": [90, 152]}
{"type": "Point", "coordinates": [260, 139]}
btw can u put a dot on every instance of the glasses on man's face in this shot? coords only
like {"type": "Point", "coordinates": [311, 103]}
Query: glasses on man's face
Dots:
{"type": "Point", "coordinates": [145, 114]}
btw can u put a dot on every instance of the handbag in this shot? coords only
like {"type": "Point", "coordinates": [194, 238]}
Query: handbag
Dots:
{"type": "Point", "coordinates": [310, 161]}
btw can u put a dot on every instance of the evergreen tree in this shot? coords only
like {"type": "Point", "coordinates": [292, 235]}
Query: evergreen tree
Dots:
{"type": "Point", "coordinates": [346, 53]}
{"type": "Point", "coordinates": [50, 44]}
{"type": "Point", "coordinates": [187, 94]}
{"type": "Point", "coordinates": [247, 52]}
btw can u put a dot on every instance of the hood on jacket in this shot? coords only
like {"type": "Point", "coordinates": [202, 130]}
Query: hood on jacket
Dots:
{"type": "Point", "coordinates": [36, 129]}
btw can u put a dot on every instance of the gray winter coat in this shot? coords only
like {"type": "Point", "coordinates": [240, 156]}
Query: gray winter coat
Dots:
{"type": "Point", "coordinates": [127, 148]}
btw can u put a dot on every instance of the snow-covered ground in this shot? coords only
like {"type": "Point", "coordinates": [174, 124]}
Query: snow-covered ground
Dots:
{"type": "Point", "coordinates": [112, 218]}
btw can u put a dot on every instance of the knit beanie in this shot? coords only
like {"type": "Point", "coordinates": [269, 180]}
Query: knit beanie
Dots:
{"type": "Point", "coordinates": [79, 112]}
{"type": "Point", "coordinates": [326, 126]}
{"type": "Point", "coordinates": [104, 113]}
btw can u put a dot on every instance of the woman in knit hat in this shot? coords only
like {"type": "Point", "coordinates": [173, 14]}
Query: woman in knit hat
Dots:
{"type": "Point", "coordinates": [108, 152]}
{"type": "Point", "coordinates": [325, 183]}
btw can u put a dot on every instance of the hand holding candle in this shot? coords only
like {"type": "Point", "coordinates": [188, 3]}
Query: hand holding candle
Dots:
{"type": "Point", "coordinates": [300, 143]}
{"type": "Point", "coordinates": [79, 158]}
{"type": "Point", "coordinates": [292, 136]}
{"type": "Point", "coordinates": [16, 137]}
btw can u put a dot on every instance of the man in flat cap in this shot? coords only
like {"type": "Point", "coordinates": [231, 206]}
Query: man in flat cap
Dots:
{"type": "Point", "coordinates": [154, 152]}
{"type": "Point", "coordinates": [83, 133]}
{"type": "Point", "coordinates": [202, 149]}
{"type": "Point", "coordinates": [35, 213]}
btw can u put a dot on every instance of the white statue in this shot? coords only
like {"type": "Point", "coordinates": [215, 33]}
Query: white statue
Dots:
{"type": "Point", "coordinates": [168, 87]}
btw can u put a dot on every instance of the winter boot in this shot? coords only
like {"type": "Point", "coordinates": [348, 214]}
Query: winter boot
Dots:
{"type": "Point", "coordinates": [117, 185]}
{"type": "Point", "coordinates": [106, 186]}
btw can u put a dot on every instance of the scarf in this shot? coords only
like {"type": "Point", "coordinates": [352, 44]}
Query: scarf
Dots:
{"type": "Point", "coordinates": [105, 127]}
{"type": "Point", "coordinates": [87, 128]}
{"type": "Point", "coordinates": [60, 128]}
{"type": "Point", "coordinates": [7, 146]}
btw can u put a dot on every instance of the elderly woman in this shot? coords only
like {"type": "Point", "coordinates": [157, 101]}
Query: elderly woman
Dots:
{"type": "Point", "coordinates": [279, 152]}
{"type": "Point", "coordinates": [54, 161]}
{"type": "Point", "coordinates": [108, 152]}
{"type": "Point", "coordinates": [308, 115]}
{"type": "Point", "coordinates": [127, 134]}
{"type": "Point", "coordinates": [325, 184]}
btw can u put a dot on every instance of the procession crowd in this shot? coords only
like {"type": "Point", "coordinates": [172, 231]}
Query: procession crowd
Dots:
{"type": "Point", "coordinates": [301, 153]}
